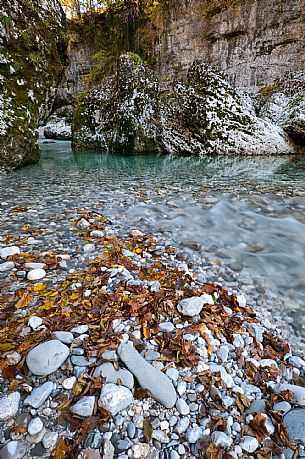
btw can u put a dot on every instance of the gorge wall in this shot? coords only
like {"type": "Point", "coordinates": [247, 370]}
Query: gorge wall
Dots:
{"type": "Point", "coordinates": [252, 42]}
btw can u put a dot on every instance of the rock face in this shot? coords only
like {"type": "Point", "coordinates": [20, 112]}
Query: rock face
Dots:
{"type": "Point", "coordinates": [253, 42]}
{"type": "Point", "coordinates": [32, 56]}
{"type": "Point", "coordinates": [129, 113]}
{"type": "Point", "coordinates": [284, 104]}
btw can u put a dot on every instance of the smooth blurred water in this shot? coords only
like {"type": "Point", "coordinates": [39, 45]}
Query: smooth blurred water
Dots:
{"type": "Point", "coordinates": [247, 212]}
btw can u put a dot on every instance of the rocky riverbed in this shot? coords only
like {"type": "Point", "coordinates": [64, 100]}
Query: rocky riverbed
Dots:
{"type": "Point", "coordinates": [132, 353]}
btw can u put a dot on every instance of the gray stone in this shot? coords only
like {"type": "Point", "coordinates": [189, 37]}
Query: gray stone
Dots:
{"type": "Point", "coordinates": [81, 361]}
{"type": "Point", "coordinates": [36, 274]}
{"type": "Point", "coordinates": [193, 434]}
{"type": "Point", "coordinates": [174, 455]}
{"type": "Point", "coordinates": [297, 391]}
{"type": "Point", "coordinates": [172, 373]}
{"type": "Point", "coordinates": [50, 439]}
{"type": "Point", "coordinates": [282, 406]}
{"type": "Point", "coordinates": [63, 336]}
{"type": "Point", "coordinates": [84, 407]}
{"type": "Point", "coordinates": [221, 439]}
{"type": "Point", "coordinates": [192, 306]}
{"type": "Point", "coordinates": [108, 450]}
{"type": "Point", "coordinates": [9, 405]}
{"type": "Point", "coordinates": [131, 429]}
{"type": "Point", "coordinates": [110, 355]}
{"type": "Point", "coordinates": [115, 398]}
{"type": "Point", "coordinates": [9, 251]}
{"type": "Point", "coordinates": [120, 444]}
{"type": "Point", "coordinates": [7, 266]}
{"type": "Point", "coordinates": [249, 444]}
{"type": "Point", "coordinates": [166, 327]}
{"type": "Point", "coordinates": [182, 425]}
{"type": "Point", "coordinates": [182, 407]}
{"type": "Point", "coordinates": [150, 378]}
{"type": "Point", "coordinates": [35, 426]}
{"type": "Point", "coordinates": [257, 406]}
{"type": "Point", "coordinates": [47, 357]}
{"type": "Point", "coordinates": [111, 375]}
{"type": "Point", "coordinates": [39, 395]}
{"type": "Point", "coordinates": [294, 422]}
{"type": "Point", "coordinates": [80, 329]}
{"type": "Point", "coordinates": [13, 450]}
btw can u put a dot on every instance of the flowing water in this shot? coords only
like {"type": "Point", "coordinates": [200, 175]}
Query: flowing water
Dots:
{"type": "Point", "coordinates": [242, 219]}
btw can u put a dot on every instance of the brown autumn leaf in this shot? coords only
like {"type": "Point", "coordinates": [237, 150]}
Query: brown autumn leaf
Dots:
{"type": "Point", "coordinates": [65, 449]}
{"type": "Point", "coordinates": [141, 393]}
{"type": "Point", "coordinates": [258, 425]}
{"type": "Point", "coordinates": [9, 372]}
{"type": "Point", "coordinates": [242, 401]}
{"type": "Point", "coordinates": [213, 452]}
{"type": "Point", "coordinates": [147, 429]}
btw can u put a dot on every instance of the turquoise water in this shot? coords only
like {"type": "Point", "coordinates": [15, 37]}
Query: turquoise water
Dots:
{"type": "Point", "coordinates": [241, 218]}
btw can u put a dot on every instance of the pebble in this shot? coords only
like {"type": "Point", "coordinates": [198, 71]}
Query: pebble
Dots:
{"type": "Point", "coordinates": [108, 450]}
{"type": "Point", "coordinates": [150, 378]}
{"type": "Point", "coordinates": [131, 429]}
{"type": "Point", "coordinates": [13, 450]}
{"type": "Point", "coordinates": [294, 422]}
{"type": "Point", "coordinates": [7, 266]}
{"type": "Point", "coordinates": [39, 395]}
{"type": "Point", "coordinates": [68, 383]}
{"type": "Point", "coordinates": [193, 434]}
{"type": "Point", "coordinates": [50, 439]}
{"type": "Point", "coordinates": [107, 371]}
{"type": "Point", "coordinates": [35, 426]}
{"type": "Point", "coordinates": [282, 406]}
{"type": "Point", "coordinates": [182, 407]}
{"type": "Point", "coordinates": [166, 327]}
{"type": "Point", "coordinates": [9, 251]}
{"type": "Point", "coordinates": [115, 398]}
{"type": "Point", "coordinates": [221, 439]}
{"type": "Point", "coordinates": [249, 444]}
{"type": "Point", "coordinates": [63, 336]}
{"type": "Point", "coordinates": [173, 374]}
{"type": "Point", "coordinates": [36, 274]}
{"type": "Point", "coordinates": [47, 357]}
{"type": "Point", "coordinates": [35, 322]}
{"type": "Point", "coordinates": [80, 329]}
{"type": "Point", "coordinates": [34, 265]}
{"type": "Point", "coordinates": [297, 391]}
{"type": "Point", "coordinates": [174, 455]}
{"type": "Point", "coordinates": [84, 407]}
{"type": "Point", "coordinates": [182, 425]}
{"type": "Point", "coordinates": [192, 306]}
{"type": "Point", "coordinates": [257, 406]}
{"type": "Point", "coordinates": [9, 405]}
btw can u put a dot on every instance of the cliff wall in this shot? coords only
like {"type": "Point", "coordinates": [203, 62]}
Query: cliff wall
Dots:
{"type": "Point", "coordinates": [253, 42]}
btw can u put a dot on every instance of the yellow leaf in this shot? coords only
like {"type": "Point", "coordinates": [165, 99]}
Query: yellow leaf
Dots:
{"type": "Point", "coordinates": [38, 287]}
{"type": "Point", "coordinates": [24, 301]}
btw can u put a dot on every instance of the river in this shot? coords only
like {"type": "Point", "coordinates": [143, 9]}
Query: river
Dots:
{"type": "Point", "coordinates": [240, 219]}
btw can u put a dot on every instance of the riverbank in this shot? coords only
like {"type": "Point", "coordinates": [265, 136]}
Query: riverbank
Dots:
{"type": "Point", "coordinates": [218, 364]}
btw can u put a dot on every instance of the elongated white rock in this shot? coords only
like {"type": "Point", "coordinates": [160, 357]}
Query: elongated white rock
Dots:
{"type": "Point", "coordinates": [47, 357]}
{"type": "Point", "coordinates": [149, 377]}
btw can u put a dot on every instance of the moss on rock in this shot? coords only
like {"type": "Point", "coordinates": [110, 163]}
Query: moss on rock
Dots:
{"type": "Point", "coordinates": [129, 113]}
{"type": "Point", "coordinates": [32, 59]}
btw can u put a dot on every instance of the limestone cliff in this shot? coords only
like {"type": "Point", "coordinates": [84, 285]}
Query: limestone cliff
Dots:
{"type": "Point", "coordinates": [32, 58]}
{"type": "Point", "coordinates": [253, 42]}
